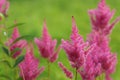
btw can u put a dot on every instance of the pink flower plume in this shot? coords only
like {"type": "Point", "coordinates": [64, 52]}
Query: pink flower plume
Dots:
{"type": "Point", "coordinates": [46, 45]}
{"type": "Point", "coordinates": [4, 6]}
{"type": "Point", "coordinates": [100, 18]}
{"type": "Point", "coordinates": [68, 73]}
{"type": "Point", "coordinates": [75, 48]}
{"type": "Point", "coordinates": [30, 66]}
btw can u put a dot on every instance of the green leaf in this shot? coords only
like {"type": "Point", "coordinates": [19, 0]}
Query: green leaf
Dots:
{"type": "Point", "coordinates": [19, 60]}
{"type": "Point", "coordinates": [18, 24]}
{"type": "Point", "coordinates": [6, 63]}
{"type": "Point", "coordinates": [5, 76]}
{"type": "Point", "coordinates": [6, 51]}
{"type": "Point", "coordinates": [27, 37]}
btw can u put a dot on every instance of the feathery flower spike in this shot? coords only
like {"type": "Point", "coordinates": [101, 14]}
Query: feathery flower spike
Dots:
{"type": "Point", "coordinates": [29, 66]}
{"type": "Point", "coordinates": [75, 48]}
{"type": "Point", "coordinates": [4, 6]}
{"type": "Point", "coordinates": [100, 18]}
{"type": "Point", "coordinates": [68, 73]}
{"type": "Point", "coordinates": [46, 45]}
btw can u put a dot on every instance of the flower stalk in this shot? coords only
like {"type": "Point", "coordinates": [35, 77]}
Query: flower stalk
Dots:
{"type": "Point", "coordinates": [48, 70]}
{"type": "Point", "coordinates": [76, 74]}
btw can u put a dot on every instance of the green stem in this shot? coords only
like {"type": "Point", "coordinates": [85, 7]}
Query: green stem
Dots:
{"type": "Point", "coordinates": [99, 77]}
{"type": "Point", "coordinates": [48, 70]}
{"type": "Point", "coordinates": [76, 74]}
{"type": "Point", "coordinates": [103, 77]}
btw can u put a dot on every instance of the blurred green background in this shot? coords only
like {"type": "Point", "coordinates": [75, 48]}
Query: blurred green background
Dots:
{"type": "Point", "coordinates": [58, 16]}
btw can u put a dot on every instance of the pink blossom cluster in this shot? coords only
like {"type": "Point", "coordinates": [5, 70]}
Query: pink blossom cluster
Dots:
{"type": "Point", "coordinates": [30, 66]}
{"type": "Point", "coordinates": [100, 20]}
{"type": "Point", "coordinates": [4, 6]}
{"type": "Point", "coordinates": [47, 46]}
{"type": "Point", "coordinates": [93, 58]}
{"type": "Point", "coordinates": [78, 51]}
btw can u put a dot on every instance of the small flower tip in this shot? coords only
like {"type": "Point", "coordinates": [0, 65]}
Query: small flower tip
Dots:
{"type": "Point", "coordinates": [74, 26]}
{"type": "Point", "coordinates": [103, 1]}
{"type": "Point", "coordinates": [73, 21]}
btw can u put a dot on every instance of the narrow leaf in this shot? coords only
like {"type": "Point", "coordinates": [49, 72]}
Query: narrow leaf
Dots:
{"type": "Point", "coordinates": [5, 76]}
{"type": "Point", "coordinates": [19, 60]}
{"type": "Point", "coordinates": [17, 24]}
{"type": "Point", "coordinates": [6, 51]}
{"type": "Point", "coordinates": [6, 63]}
{"type": "Point", "coordinates": [27, 37]}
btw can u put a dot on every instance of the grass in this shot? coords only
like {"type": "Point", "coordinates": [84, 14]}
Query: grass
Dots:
{"type": "Point", "coordinates": [58, 16]}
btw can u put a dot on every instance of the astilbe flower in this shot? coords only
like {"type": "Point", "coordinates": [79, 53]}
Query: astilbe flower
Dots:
{"type": "Point", "coordinates": [68, 73]}
{"type": "Point", "coordinates": [75, 48]}
{"type": "Point", "coordinates": [100, 18]}
{"type": "Point", "coordinates": [29, 67]}
{"type": "Point", "coordinates": [19, 44]}
{"type": "Point", "coordinates": [77, 51]}
{"type": "Point", "coordinates": [90, 70]}
{"type": "Point", "coordinates": [4, 6]}
{"type": "Point", "coordinates": [47, 46]}
{"type": "Point", "coordinates": [101, 53]}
